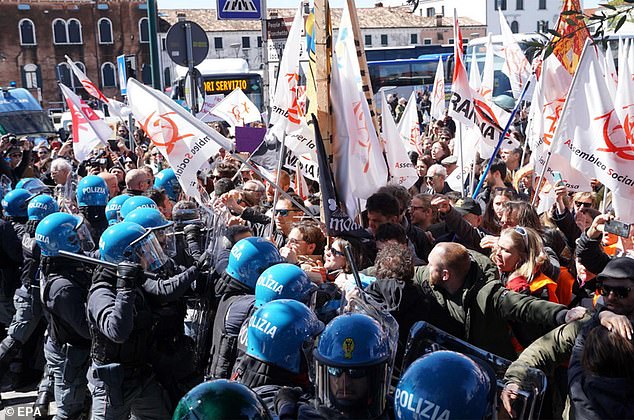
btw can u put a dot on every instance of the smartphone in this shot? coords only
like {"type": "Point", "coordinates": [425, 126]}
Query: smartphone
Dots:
{"type": "Point", "coordinates": [557, 177]}
{"type": "Point", "coordinates": [113, 144]}
{"type": "Point", "coordinates": [618, 228]}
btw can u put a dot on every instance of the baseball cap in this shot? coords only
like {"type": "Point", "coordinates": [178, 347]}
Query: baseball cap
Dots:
{"type": "Point", "coordinates": [618, 268]}
{"type": "Point", "coordinates": [449, 160]}
{"type": "Point", "coordinates": [468, 205]}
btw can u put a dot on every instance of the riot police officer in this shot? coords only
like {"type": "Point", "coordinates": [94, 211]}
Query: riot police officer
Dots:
{"type": "Point", "coordinates": [279, 339]}
{"type": "Point", "coordinates": [64, 292]}
{"type": "Point", "coordinates": [444, 385]}
{"type": "Point", "coordinates": [166, 181]}
{"type": "Point", "coordinates": [120, 313]}
{"type": "Point", "coordinates": [281, 281]}
{"type": "Point", "coordinates": [92, 197]}
{"type": "Point", "coordinates": [173, 353]}
{"type": "Point", "coordinates": [113, 207]}
{"type": "Point", "coordinates": [135, 202]}
{"type": "Point", "coordinates": [248, 259]}
{"type": "Point", "coordinates": [28, 316]}
{"type": "Point", "coordinates": [353, 359]}
{"type": "Point", "coordinates": [120, 378]}
{"type": "Point", "coordinates": [221, 400]}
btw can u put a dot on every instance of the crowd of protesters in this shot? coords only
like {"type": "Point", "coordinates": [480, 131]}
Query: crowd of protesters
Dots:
{"type": "Point", "coordinates": [248, 301]}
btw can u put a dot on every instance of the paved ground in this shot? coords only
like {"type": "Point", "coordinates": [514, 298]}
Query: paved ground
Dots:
{"type": "Point", "coordinates": [19, 405]}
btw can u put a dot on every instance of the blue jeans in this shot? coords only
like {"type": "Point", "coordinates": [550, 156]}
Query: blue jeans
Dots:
{"type": "Point", "coordinates": [68, 365]}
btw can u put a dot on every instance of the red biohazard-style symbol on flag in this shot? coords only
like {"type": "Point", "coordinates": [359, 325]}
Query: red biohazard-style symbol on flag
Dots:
{"type": "Point", "coordinates": [557, 105]}
{"type": "Point", "coordinates": [162, 130]}
{"type": "Point", "coordinates": [363, 134]}
{"type": "Point", "coordinates": [611, 127]}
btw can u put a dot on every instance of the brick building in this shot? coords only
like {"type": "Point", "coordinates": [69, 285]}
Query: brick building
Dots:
{"type": "Point", "coordinates": [38, 34]}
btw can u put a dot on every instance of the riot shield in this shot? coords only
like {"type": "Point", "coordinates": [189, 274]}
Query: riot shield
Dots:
{"type": "Point", "coordinates": [425, 338]}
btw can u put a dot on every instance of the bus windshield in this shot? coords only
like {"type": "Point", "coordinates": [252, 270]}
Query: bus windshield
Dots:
{"type": "Point", "coordinates": [402, 77]}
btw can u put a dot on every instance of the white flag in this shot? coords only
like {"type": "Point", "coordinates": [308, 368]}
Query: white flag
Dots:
{"type": "Point", "coordinates": [624, 94]}
{"type": "Point", "coordinates": [589, 134]}
{"type": "Point", "coordinates": [237, 109]}
{"type": "Point", "coordinates": [401, 169]}
{"type": "Point", "coordinates": [359, 164]}
{"type": "Point", "coordinates": [438, 93]}
{"type": "Point", "coordinates": [516, 65]}
{"type": "Point", "coordinates": [89, 131]}
{"type": "Point", "coordinates": [554, 84]}
{"type": "Point", "coordinates": [610, 70]}
{"type": "Point", "coordinates": [115, 107]}
{"type": "Point", "coordinates": [409, 127]}
{"type": "Point", "coordinates": [185, 142]}
{"type": "Point", "coordinates": [284, 107]}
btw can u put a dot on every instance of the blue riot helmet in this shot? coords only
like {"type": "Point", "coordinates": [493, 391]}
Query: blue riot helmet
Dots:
{"type": "Point", "coordinates": [92, 191]}
{"type": "Point", "coordinates": [280, 332]}
{"type": "Point", "coordinates": [221, 400]}
{"type": "Point", "coordinates": [353, 358]}
{"type": "Point", "coordinates": [113, 207]}
{"type": "Point", "coordinates": [249, 258]}
{"type": "Point", "coordinates": [15, 202]}
{"type": "Point", "coordinates": [135, 202]}
{"type": "Point", "coordinates": [33, 185]}
{"type": "Point", "coordinates": [154, 220]}
{"type": "Point", "coordinates": [166, 180]}
{"type": "Point", "coordinates": [62, 232]}
{"type": "Point", "coordinates": [283, 281]}
{"type": "Point", "coordinates": [128, 241]}
{"type": "Point", "coordinates": [41, 206]}
{"type": "Point", "coordinates": [446, 384]}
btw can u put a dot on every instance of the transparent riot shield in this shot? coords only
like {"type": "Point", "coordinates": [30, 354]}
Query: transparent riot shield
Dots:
{"type": "Point", "coordinates": [425, 338]}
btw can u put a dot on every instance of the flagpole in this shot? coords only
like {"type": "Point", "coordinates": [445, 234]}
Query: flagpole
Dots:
{"type": "Point", "coordinates": [363, 64]}
{"type": "Point", "coordinates": [278, 173]}
{"type": "Point", "coordinates": [462, 163]}
{"type": "Point", "coordinates": [506, 129]}
{"type": "Point", "coordinates": [557, 129]}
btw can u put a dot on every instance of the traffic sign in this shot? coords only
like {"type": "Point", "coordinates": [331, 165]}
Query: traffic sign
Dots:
{"type": "Point", "coordinates": [176, 43]}
{"type": "Point", "coordinates": [239, 9]}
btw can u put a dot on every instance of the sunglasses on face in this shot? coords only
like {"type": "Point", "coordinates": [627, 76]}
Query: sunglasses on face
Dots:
{"type": "Point", "coordinates": [619, 291]}
{"type": "Point", "coordinates": [15, 155]}
{"type": "Point", "coordinates": [42, 152]}
{"type": "Point", "coordinates": [283, 212]}
{"type": "Point", "coordinates": [352, 373]}
{"type": "Point", "coordinates": [582, 204]}
{"type": "Point", "coordinates": [335, 251]}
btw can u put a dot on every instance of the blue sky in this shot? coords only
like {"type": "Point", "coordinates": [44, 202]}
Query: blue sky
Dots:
{"type": "Point", "coordinates": [206, 4]}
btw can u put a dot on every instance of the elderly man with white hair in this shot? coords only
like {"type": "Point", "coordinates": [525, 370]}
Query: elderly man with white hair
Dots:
{"type": "Point", "coordinates": [60, 169]}
{"type": "Point", "coordinates": [435, 179]}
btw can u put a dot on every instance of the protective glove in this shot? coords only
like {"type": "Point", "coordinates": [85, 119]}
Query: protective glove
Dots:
{"type": "Point", "coordinates": [129, 275]}
{"type": "Point", "coordinates": [203, 262]}
{"type": "Point", "coordinates": [193, 235]}
{"type": "Point", "coordinates": [286, 400]}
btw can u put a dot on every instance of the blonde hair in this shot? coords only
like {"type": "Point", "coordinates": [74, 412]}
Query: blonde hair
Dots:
{"type": "Point", "coordinates": [531, 248]}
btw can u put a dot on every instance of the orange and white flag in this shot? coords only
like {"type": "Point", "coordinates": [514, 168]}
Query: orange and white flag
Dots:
{"type": "Point", "coordinates": [237, 109]}
{"type": "Point", "coordinates": [590, 136]}
{"type": "Point", "coordinates": [185, 142]}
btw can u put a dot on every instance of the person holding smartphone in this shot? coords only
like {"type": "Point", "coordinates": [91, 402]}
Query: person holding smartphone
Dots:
{"type": "Point", "coordinates": [589, 249]}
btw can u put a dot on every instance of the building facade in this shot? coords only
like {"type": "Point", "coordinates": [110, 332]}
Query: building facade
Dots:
{"type": "Point", "coordinates": [522, 15]}
{"type": "Point", "coordinates": [39, 34]}
{"type": "Point", "coordinates": [380, 27]}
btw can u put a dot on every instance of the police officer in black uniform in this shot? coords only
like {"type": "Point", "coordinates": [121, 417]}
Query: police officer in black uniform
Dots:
{"type": "Point", "coordinates": [65, 288]}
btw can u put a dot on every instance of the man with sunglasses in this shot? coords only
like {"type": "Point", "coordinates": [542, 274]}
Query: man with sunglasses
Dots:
{"type": "Point", "coordinates": [19, 158]}
{"type": "Point", "coordinates": [615, 312]}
